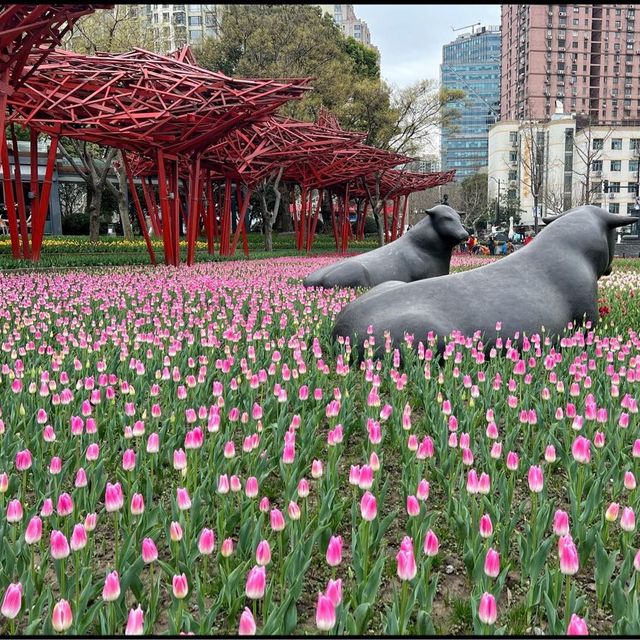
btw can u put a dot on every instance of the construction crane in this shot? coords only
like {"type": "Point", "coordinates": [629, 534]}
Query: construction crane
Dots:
{"type": "Point", "coordinates": [476, 24]}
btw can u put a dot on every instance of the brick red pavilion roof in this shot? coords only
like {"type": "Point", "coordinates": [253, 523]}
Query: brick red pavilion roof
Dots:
{"type": "Point", "coordinates": [140, 99]}
{"type": "Point", "coordinates": [28, 27]}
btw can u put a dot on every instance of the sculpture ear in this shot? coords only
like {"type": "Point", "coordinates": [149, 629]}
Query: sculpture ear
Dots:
{"type": "Point", "coordinates": [614, 220]}
{"type": "Point", "coordinates": [550, 219]}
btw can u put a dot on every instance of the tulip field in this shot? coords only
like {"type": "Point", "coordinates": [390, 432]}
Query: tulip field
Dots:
{"type": "Point", "coordinates": [186, 451]}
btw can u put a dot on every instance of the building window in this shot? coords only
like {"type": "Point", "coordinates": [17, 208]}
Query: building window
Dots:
{"type": "Point", "coordinates": [616, 144]}
{"type": "Point", "coordinates": [513, 175]}
{"type": "Point", "coordinates": [195, 21]}
{"type": "Point", "coordinates": [596, 165]}
{"type": "Point", "coordinates": [634, 143]}
{"type": "Point", "coordinates": [614, 207]}
{"type": "Point", "coordinates": [598, 143]}
{"type": "Point", "coordinates": [616, 165]}
{"type": "Point", "coordinates": [614, 187]}
{"type": "Point", "coordinates": [633, 165]}
{"type": "Point", "coordinates": [513, 156]}
{"type": "Point", "coordinates": [632, 188]}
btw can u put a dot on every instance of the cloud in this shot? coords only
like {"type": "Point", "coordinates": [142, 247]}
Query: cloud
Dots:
{"type": "Point", "coordinates": [410, 37]}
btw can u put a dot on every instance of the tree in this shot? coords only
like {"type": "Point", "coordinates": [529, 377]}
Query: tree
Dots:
{"type": "Point", "coordinates": [94, 167]}
{"type": "Point", "coordinates": [533, 151]}
{"type": "Point", "coordinates": [415, 114]}
{"type": "Point", "coordinates": [72, 197]}
{"type": "Point", "coordinates": [587, 153]}
{"type": "Point", "coordinates": [367, 61]}
{"type": "Point", "coordinates": [474, 210]}
{"type": "Point", "coordinates": [115, 30]}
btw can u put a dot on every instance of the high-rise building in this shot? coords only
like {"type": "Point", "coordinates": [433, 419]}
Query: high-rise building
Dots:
{"type": "Point", "coordinates": [471, 63]}
{"type": "Point", "coordinates": [584, 55]}
{"type": "Point", "coordinates": [176, 25]}
{"type": "Point", "coordinates": [351, 25]}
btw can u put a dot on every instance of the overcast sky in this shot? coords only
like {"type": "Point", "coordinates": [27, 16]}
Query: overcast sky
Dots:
{"type": "Point", "coordinates": [410, 37]}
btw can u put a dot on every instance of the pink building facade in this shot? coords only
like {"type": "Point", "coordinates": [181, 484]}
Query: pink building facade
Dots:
{"type": "Point", "coordinates": [586, 56]}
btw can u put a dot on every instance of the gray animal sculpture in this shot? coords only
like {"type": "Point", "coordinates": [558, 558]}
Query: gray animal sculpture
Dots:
{"type": "Point", "coordinates": [548, 283]}
{"type": "Point", "coordinates": [423, 252]}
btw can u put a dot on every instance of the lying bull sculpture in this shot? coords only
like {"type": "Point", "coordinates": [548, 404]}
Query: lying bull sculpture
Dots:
{"type": "Point", "coordinates": [423, 252]}
{"type": "Point", "coordinates": [548, 283]}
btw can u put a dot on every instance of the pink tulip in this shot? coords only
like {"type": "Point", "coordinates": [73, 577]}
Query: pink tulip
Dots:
{"type": "Point", "coordinates": [406, 564]}
{"type": "Point", "coordinates": [55, 466]}
{"type": "Point", "coordinates": [536, 480]}
{"type": "Point", "coordinates": [78, 538]}
{"type": "Point", "coordinates": [422, 492]}
{"type": "Point", "coordinates": [496, 450]}
{"type": "Point", "coordinates": [229, 450]}
{"type": "Point", "coordinates": [365, 478]}
{"type": "Point", "coordinates": [374, 461]}
{"type": "Point", "coordinates": [354, 475]}
{"type": "Point", "coordinates": [263, 553]}
{"type": "Point", "coordinates": [251, 487]}
{"type": "Point", "coordinates": [179, 460]}
{"type": "Point", "coordinates": [472, 481]}
{"type": "Point", "coordinates": [247, 626]}
{"type": "Point", "coordinates": [488, 609]}
{"type": "Point", "coordinates": [303, 488]}
{"type": "Point", "coordinates": [4, 482]}
{"type": "Point", "coordinates": [227, 548]}
{"type": "Point", "coordinates": [316, 469]}
{"type": "Point", "coordinates": [206, 542]}
{"type": "Point", "coordinates": [153, 443]}
{"type": "Point", "coordinates": [47, 508]}
{"type": "Point", "coordinates": [550, 454]}
{"type": "Point", "coordinates": [62, 617]}
{"type": "Point", "coordinates": [431, 544]}
{"type": "Point", "coordinates": [577, 626]}
{"type": "Point", "coordinates": [129, 460]}
{"type": "Point", "coordinates": [12, 602]}
{"type": "Point", "coordinates": [629, 481]}
{"type": "Point", "coordinates": [334, 591]}
{"type": "Point", "coordinates": [14, 511]}
{"type": "Point", "coordinates": [223, 484]}
{"type": "Point", "coordinates": [568, 554]}
{"type": "Point", "coordinates": [175, 531]}
{"type": "Point", "coordinates": [484, 484]}
{"type": "Point", "coordinates": [636, 561]}
{"type": "Point", "coordinates": [277, 520]}
{"type": "Point", "coordinates": [135, 622]}
{"type": "Point", "coordinates": [334, 551]}
{"type": "Point", "coordinates": [183, 499]}
{"type": "Point", "coordinates": [486, 527]}
{"type": "Point", "coordinates": [628, 520]}
{"type": "Point", "coordinates": [581, 450]}
{"type": "Point", "coordinates": [611, 514]}
{"type": "Point", "coordinates": [413, 506]}
{"type": "Point", "coordinates": [33, 532]}
{"type": "Point", "coordinates": [81, 478]}
{"type": "Point", "coordinates": [111, 589]}
{"type": "Point", "coordinates": [137, 504]}
{"type": "Point", "coordinates": [180, 586]}
{"type": "Point", "coordinates": [368, 506]}
{"type": "Point", "coordinates": [294, 511]}
{"type": "Point", "coordinates": [256, 583]}
{"type": "Point", "coordinates": [23, 460]}
{"type": "Point", "coordinates": [149, 551]}
{"type": "Point", "coordinates": [512, 461]}
{"type": "Point", "coordinates": [325, 613]}
{"type": "Point", "coordinates": [59, 545]}
{"type": "Point", "coordinates": [492, 563]}
{"type": "Point", "coordinates": [113, 497]}
{"type": "Point", "coordinates": [561, 523]}
{"type": "Point", "coordinates": [93, 452]}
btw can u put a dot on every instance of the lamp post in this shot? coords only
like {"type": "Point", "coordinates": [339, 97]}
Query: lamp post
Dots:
{"type": "Point", "coordinates": [497, 181]}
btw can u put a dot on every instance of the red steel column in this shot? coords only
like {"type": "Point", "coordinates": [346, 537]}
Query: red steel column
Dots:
{"type": "Point", "coordinates": [26, 250]}
{"type": "Point", "coordinates": [193, 221]}
{"type": "Point", "coordinates": [39, 214]}
{"type": "Point", "coordinates": [136, 202]}
{"type": "Point", "coordinates": [164, 208]}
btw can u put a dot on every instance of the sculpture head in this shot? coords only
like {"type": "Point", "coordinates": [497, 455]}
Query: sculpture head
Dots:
{"type": "Point", "coordinates": [447, 224]}
{"type": "Point", "coordinates": [608, 222]}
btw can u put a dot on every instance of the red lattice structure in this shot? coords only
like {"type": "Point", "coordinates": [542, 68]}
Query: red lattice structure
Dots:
{"type": "Point", "coordinates": [29, 32]}
{"type": "Point", "coordinates": [395, 186]}
{"type": "Point", "coordinates": [162, 107]}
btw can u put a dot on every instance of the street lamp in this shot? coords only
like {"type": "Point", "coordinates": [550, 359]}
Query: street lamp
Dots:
{"type": "Point", "coordinates": [497, 180]}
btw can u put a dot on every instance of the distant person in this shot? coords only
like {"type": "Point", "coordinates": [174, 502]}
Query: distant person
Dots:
{"type": "Point", "coordinates": [528, 239]}
{"type": "Point", "coordinates": [491, 246]}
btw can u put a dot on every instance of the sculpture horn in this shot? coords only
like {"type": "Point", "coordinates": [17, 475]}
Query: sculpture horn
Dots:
{"type": "Point", "coordinates": [615, 220]}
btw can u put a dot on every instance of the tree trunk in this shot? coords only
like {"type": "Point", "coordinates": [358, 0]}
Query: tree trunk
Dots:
{"type": "Point", "coordinates": [123, 200]}
{"type": "Point", "coordinates": [380, 228]}
{"type": "Point", "coordinates": [94, 213]}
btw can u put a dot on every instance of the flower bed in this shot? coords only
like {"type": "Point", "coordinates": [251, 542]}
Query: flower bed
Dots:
{"type": "Point", "coordinates": [183, 450]}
